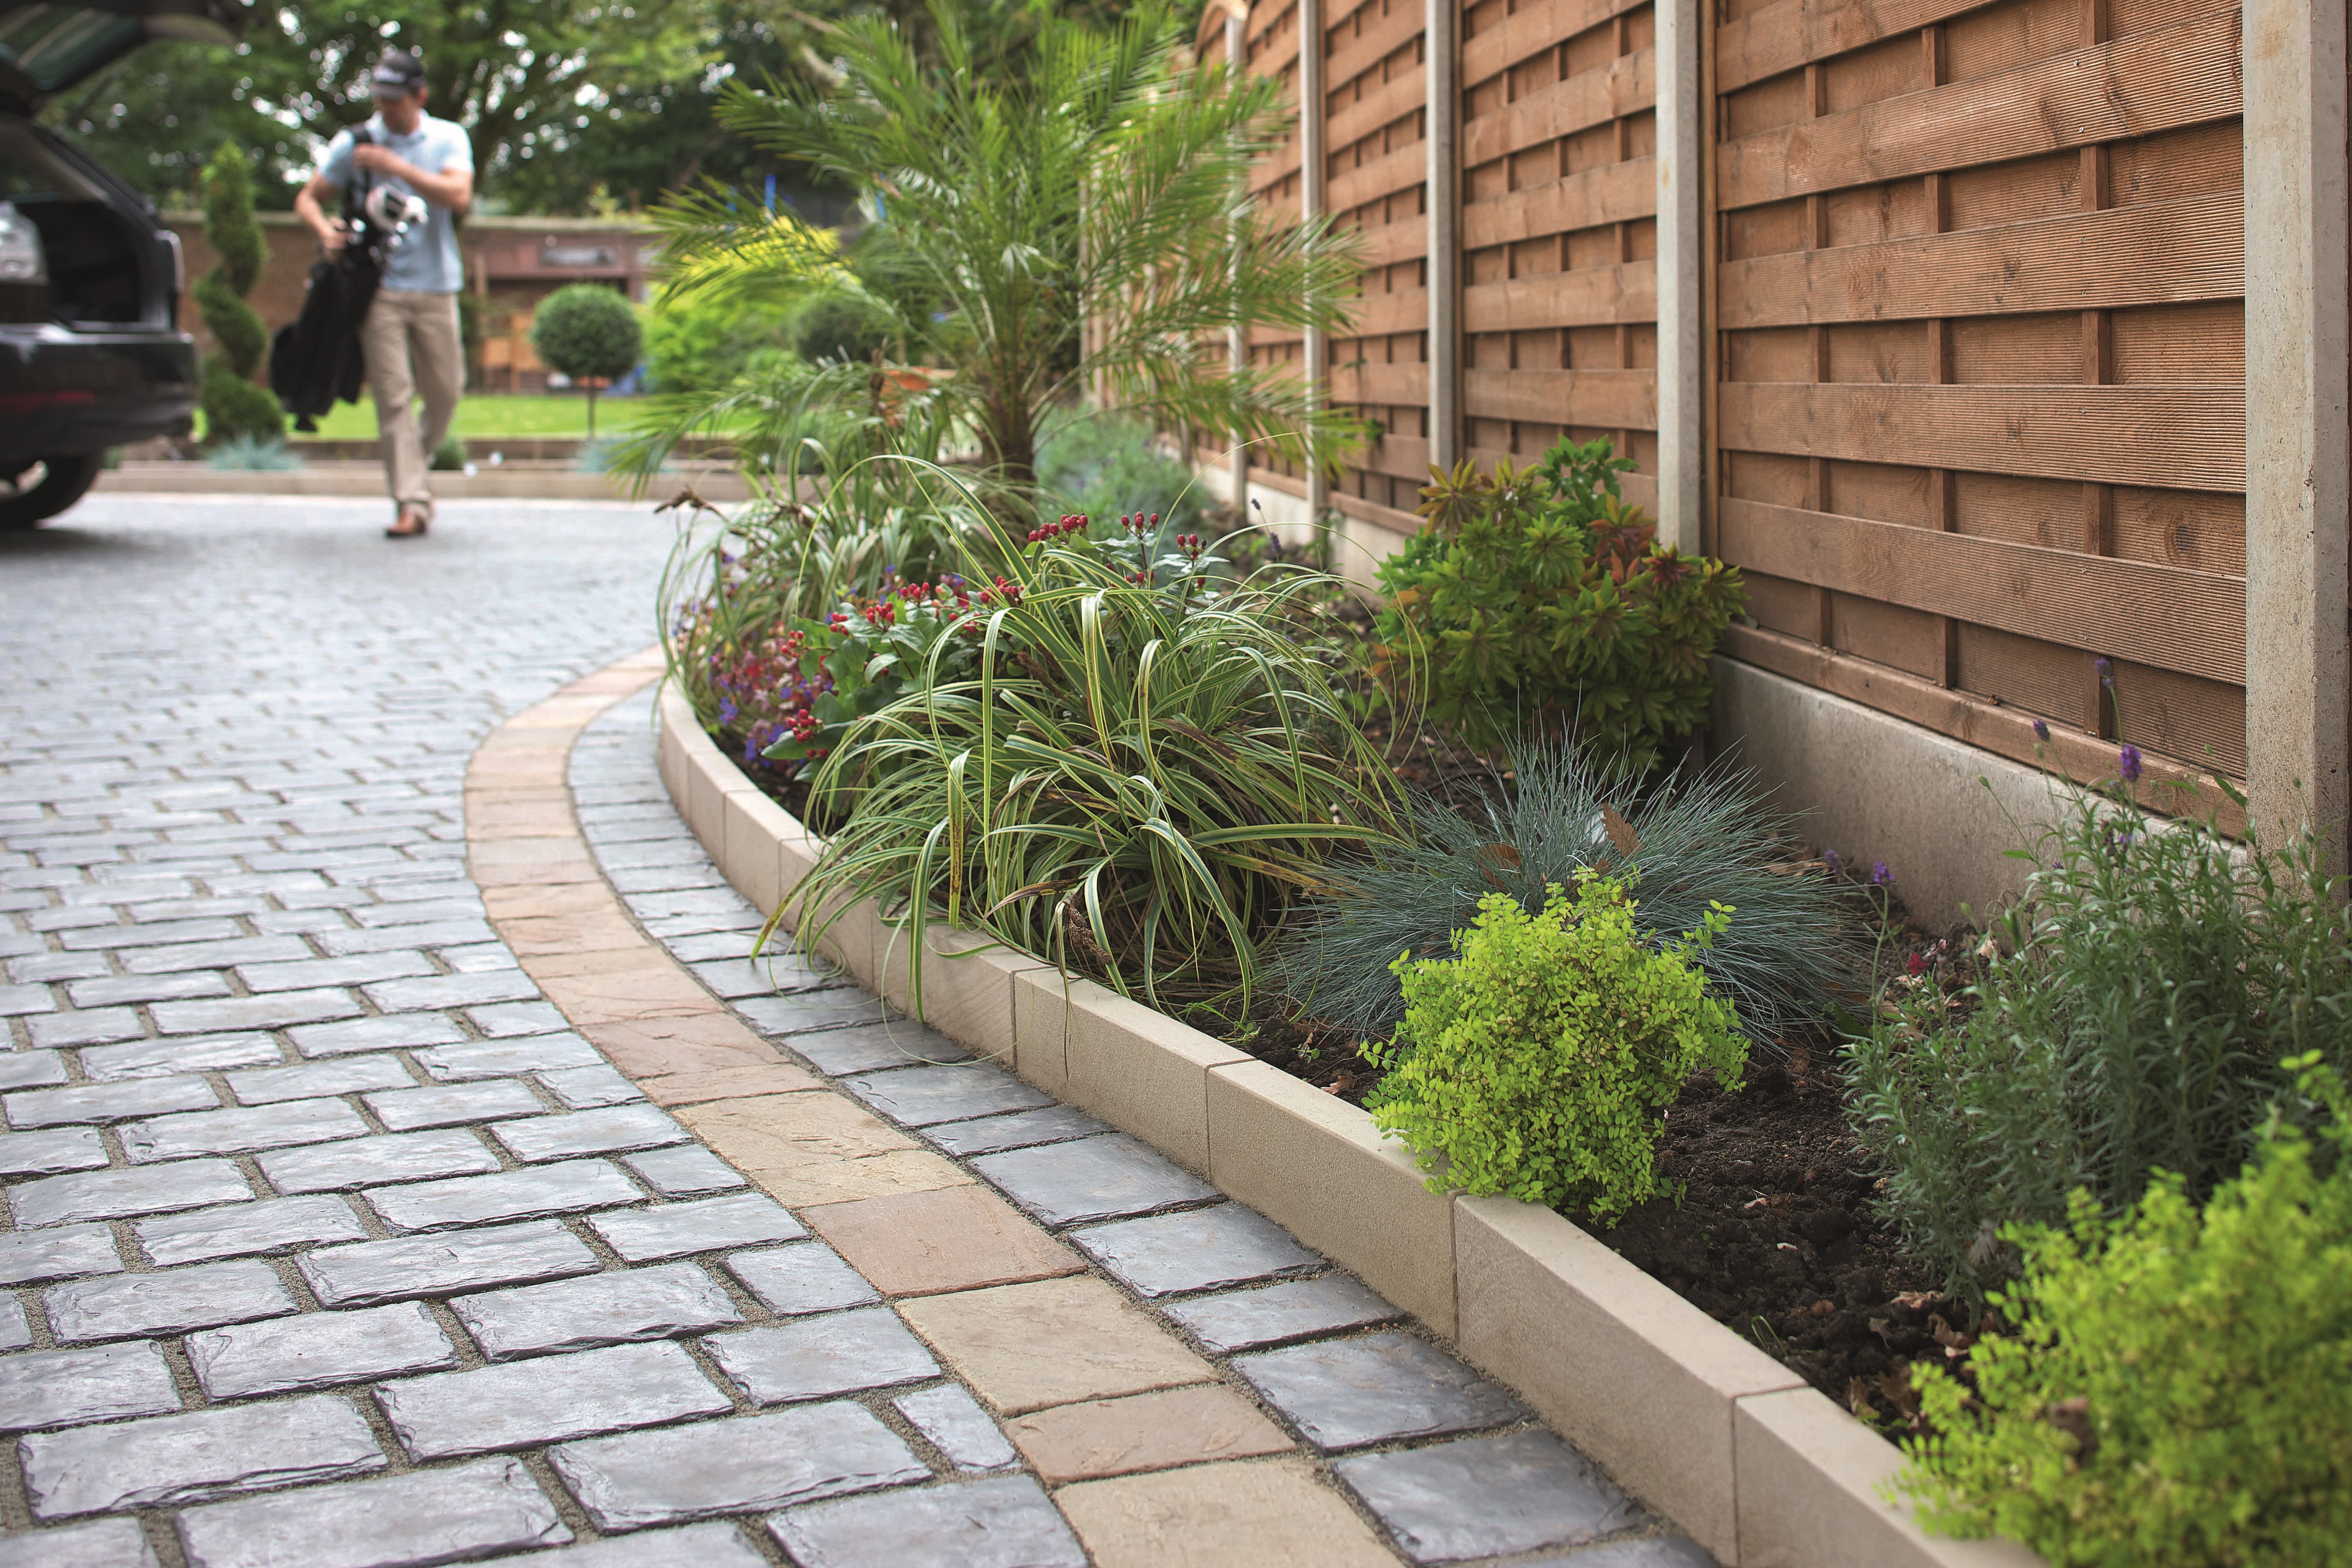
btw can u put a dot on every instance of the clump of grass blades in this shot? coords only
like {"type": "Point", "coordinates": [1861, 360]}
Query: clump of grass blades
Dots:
{"type": "Point", "coordinates": [1683, 842]}
{"type": "Point", "coordinates": [2155, 978]}
{"type": "Point", "coordinates": [1141, 782]}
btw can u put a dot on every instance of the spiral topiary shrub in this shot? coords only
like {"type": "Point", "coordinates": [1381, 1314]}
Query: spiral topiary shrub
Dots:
{"type": "Point", "coordinates": [234, 406]}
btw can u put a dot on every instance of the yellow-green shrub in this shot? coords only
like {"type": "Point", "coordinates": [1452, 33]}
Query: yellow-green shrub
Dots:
{"type": "Point", "coordinates": [1535, 1064]}
{"type": "Point", "coordinates": [2178, 1390]}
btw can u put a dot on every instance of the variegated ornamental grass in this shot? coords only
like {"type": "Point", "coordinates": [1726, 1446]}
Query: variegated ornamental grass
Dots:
{"type": "Point", "coordinates": [1144, 779]}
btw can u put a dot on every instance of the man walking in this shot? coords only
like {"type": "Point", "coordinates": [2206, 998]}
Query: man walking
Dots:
{"type": "Point", "coordinates": [410, 338]}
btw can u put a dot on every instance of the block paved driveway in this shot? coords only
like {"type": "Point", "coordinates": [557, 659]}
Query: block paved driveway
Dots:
{"type": "Point", "coordinates": [329, 1244]}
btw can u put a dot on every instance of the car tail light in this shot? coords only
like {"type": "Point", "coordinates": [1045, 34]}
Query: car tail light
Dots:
{"type": "Point", "coordinates": [34, 402]}
{"type": "Point", "coordinates": [21, 259]}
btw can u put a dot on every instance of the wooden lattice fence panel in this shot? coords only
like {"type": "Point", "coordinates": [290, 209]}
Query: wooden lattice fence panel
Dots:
{"type": "Point", "coordinates": [1979, 416]}
{"type": "Point", "coordinates": [1558, 231]}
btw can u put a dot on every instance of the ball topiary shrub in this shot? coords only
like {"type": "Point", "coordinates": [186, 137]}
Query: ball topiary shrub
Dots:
{"type": "Point", "coordinates": [590, 333]}
{"type": "Point", "coordinates": [234, 406]}
{"type": "Point", "coordinates": [1536, 1063]}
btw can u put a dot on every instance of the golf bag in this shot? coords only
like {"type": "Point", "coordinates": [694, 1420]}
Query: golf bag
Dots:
{"type": "Point", "coordinates": [315, 360]}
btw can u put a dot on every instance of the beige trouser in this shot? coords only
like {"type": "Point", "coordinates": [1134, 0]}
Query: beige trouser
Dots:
{"type": "Point", "coordinates": [412, 345]}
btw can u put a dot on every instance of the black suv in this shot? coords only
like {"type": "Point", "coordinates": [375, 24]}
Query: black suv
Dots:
{"type": "Point", "coordinates": [92, 355]}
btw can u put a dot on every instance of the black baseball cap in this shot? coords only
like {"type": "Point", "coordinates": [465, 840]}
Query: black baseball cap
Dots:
{"type": "Point", "coordinates": [396, 75]}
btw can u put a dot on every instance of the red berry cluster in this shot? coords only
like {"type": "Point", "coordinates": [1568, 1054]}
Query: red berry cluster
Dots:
{"type": "Point", "coordinates": [1010, 592]}
{"type": "Point", "coordinates": [1069, 524]}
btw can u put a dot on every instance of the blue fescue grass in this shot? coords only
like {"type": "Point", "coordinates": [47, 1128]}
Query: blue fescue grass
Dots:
{"type": "Point", "coordinates": [1699, 835]}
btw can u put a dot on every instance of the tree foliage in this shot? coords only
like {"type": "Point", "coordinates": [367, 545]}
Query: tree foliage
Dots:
{"type": "Point", "coordinates": [1102, 176]}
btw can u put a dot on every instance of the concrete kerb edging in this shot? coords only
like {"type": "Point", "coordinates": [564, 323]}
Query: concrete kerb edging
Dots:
{"type": "Point", "coordinates": [1733, 1448]}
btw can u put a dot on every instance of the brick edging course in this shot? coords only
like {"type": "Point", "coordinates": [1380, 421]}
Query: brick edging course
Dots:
{"type": "Point", "coordinates": [1761, 1469]}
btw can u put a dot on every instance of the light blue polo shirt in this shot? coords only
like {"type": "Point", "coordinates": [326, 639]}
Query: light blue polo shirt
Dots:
{"type": "Point", "coordinates": [425, 260]}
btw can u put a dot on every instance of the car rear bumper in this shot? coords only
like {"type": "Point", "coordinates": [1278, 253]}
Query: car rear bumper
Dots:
{"type": "Point", "coordinates": [65, 389]}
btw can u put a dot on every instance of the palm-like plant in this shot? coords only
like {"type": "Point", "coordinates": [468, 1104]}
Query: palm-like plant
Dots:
{"type": "Point", "coordinates": [1102, 180]}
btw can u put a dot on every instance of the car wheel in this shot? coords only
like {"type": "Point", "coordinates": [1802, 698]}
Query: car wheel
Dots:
{"type": "Point", "coordinates": [47, 487]}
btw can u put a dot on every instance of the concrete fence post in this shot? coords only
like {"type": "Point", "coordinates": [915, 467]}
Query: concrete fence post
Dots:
{"type": "Point", "coordinates": [1311, 161]}
{"type": "Point", "coordinates": [2298, 434]}
{"type": "Point", "coordinates": [1442, 61]}
{"type": "Point", "coordinates": [1681, 338]}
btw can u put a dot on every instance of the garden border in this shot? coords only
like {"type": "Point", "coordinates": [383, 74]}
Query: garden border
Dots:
{"type": "Point", "coordinates": [1735, 1449]}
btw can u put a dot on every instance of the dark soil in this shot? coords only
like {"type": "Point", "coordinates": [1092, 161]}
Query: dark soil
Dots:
{"type": "Point", "coordinates": [1775, 1236]}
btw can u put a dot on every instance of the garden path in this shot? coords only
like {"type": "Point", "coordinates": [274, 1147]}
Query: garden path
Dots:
{"type": "Point", "coordinates": [332, 1240]}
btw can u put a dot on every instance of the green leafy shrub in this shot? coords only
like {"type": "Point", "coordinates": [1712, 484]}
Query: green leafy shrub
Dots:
{"type": "Point", "coordinates": [234, 406]}
{"type": "Point", "coordinates": [703, 340]}
{"type": "Point", "coordinates": [842, 323]}
{"type": "Point", "coordinates": [248, 454]}
{"type": "Point", "coordinates": [449, 457]}
{"type": "Point", "coordinates": [1536, 1063]}
{"type": "Point", "coordinates": [1143, 769]}
{"type": "Point", "coordinates": [1101, 465]}
{"type": "Point", "coordinates": [2155, 978]}
{"type": "Point", "coordinates": [1537, 598]}
{"type": "Point", "coordinates": [590, 333]}
{"type": "Point", "coordinates": [1696, 840]}
{"type": "Point", "coordinates": [2177, 1390]}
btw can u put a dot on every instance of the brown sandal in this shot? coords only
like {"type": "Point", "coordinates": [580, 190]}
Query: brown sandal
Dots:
{"type": "Point", "coordinates": [412, 524]}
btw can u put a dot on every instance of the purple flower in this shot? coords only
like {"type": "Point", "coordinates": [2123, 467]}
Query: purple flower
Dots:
{"type": "Point", "coordinates": [2128, 763]}
{"type": "Point", "coordinates": [726, 710]}
{"type": "Point", "coordinates": [1880, 877]}
{"type": "Point", "coordinates": [2106, 671]}
{"type": "Point", "coordinates": [1835, 862]}
{"type": "Point", "coordinates": [2041, 730]}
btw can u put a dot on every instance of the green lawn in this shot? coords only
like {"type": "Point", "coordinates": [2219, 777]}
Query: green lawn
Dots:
{"type": "Point", "coordinates": [489, 415]}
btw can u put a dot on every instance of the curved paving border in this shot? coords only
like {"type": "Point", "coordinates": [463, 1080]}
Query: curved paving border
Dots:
{"type": "Point", "coordinates": [1761, 1469]}
{"type": "Point", "coordinates": [1156, 1352]}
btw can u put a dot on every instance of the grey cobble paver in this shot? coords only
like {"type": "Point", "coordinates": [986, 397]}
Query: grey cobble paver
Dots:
{"type": "Point", "coordinates": [120, 1306]}
{"type": "Point", "coordinates": [681, 1173]}
{"type": "Point", "coordinates": [447, 1105]}
{"type": "Point", "coordinates": [538, 1053]}
{"type": "Point", "coordinates": [951, 1421]}
{"type": "Point", "coordinates": [748, 1464]}
{"type": "Point", "coordinates": [1093, 1178]}
{"type": "Point", "coordinates": [63, 1388]}
{"type": "Point", "coordinates": [1489, 1496]}
{"type": "Point", "coordinates": [276, 1010]}
{"type": "Point", "coordinates": [156, 1059]}
{"type": "Point", "coordinates": [596, 1310]}
{"type": "Point", "coordinates": [100, 1543]}
{"type": "Point", "coordinates": [28, 1257]}
{"type": "Point", "coordinates": [582, 1089]}
{"type": "Point", "coordinates": [611, 1130]}
{"type": "Point", "coordinates": [372, 1161]}
{"type": "Point", "coordinates": [350, 1075]}
{"type": "Point", "coordinates": [171, 1459]}
{"type": "Point", "coordinates": [444, 1265]}
{"type": "Point", "coordinates": [108, 1101]}
{"type": "Point", "coordinates": [93, 1028]}
{"type": "Point", "coordinates": [1345, 1393]}
{"type": "Point", "coordinates": [920, 1096]}
{"type": "Point", "coordinates": [269, 1225]}
{"type": "Point", "coordinates": [31, 1069]}
{"type": "Point", "coordinates": [1202, 1249]}
{"type": "Point", "coordinates": [241, 1131]}
{"type": "Point", "coordinates": [318, 1350]}
{"type": "Point", "coordinates": [1251, 1320]}
{"type": "Point", "coordinates": [708, 1224]}
{"type": "Point", "coordinates": [564, 1188]}
{"type": "Point", "coordinates": [15, 1328]}
{"type": "Point", "coordinates": [118, 1194]}
{"type": "Point", "coordinates": [434, 1516]}
{"type": "Point", "coordinates": [388, 1032]}
{"type": "Point", "coordinates": [808, 1277]}
{"type": "Point", "coordinates": [48, 1152]}
{"type": "Point", "coordinates": [1005, 1521]}
{"type": "Point", "coordinates": [829, 1353]}
{"type": "Point", "coordinates": [547, 1400]}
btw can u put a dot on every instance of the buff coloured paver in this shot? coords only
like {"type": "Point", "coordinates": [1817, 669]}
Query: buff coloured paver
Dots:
{"type": "Point", "coordinates": [241, 939]}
